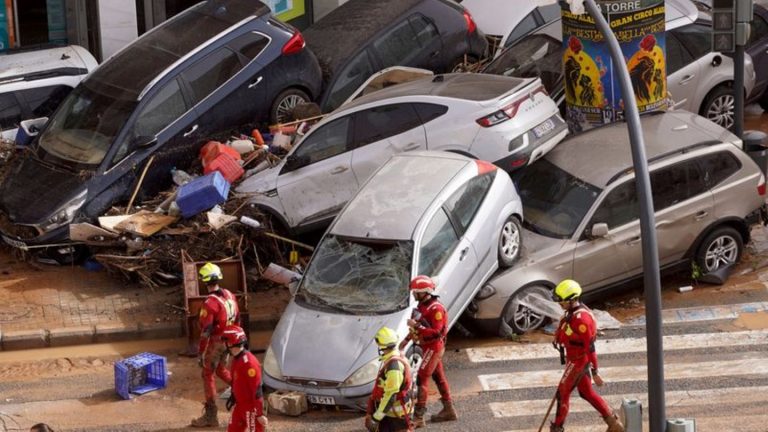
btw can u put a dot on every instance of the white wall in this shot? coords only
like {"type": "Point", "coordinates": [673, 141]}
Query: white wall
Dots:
{"type": "Point", "coordinates": [117, 25]}
{"type": "Point", "coordinates": [322, 7]}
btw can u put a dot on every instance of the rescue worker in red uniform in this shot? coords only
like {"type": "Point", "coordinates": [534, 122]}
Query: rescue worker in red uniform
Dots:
{"type": "Point", "coordinates": [428, 329]}
{"type": "Point", "coordinates": [219, 310]}
{"type": "Point", "coordinates": [389, 406]}
{"type": "Point", "coordinates": [247, 395]}
{"type": "Point", "coordinates": [577, 332]}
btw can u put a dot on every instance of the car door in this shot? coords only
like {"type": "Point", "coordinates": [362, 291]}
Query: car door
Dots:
{"type": "Point", "coordinates": [352, 75]}
{"type": "Point", "coordinates": [443, 254]}
{"type": "Point", "coordinates": [600, 261]}
{"type": "Point", "coordinates": [250, 102]}
{"type": "Point", "coordinates": [413, 41]}
{"type": "Point", "coordinates": [757, 48]}
{"type": "Point", "coordinates": [316, 180]}
{"type": "Point", "coordinates": [683, 74]}
{"type": "Point", "coordinates": [382, 131]}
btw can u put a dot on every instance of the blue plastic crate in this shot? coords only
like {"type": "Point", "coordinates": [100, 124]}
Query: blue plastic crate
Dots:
{"type": "Point", "coordinates": [140, 374]}
{"type": "Point", "coordinates": [202, 193]}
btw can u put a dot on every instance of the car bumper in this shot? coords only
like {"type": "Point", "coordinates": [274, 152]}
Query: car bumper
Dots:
{"type": "Point", "coordinates": [353, 397]}
{"type": "Point", "coordinates": [56, 237]}
{"type": "Point", "coordinates": [758, 216]}
{"type": "Point", "coordinates": [534, 147]}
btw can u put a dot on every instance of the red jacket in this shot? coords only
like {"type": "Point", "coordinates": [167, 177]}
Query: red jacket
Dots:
{"type": "Point", "coordinates": [219, 310]}
{"type": "Point", "coordinates": [577, 332]}
{"type": "Point", "coordinates": [246, 383]}
{"type": "Point", "coordinates": [433, 323]}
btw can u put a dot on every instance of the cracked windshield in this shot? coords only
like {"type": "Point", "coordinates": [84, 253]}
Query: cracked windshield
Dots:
{"type": "Point", "coordinates": [355, 276]}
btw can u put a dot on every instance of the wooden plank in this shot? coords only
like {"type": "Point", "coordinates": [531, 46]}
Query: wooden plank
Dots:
{"type": "Point", "coordinates": [109, 222]}
{"type": "Point", "coordinates": [85, 231]}
{"type": "Point", "coordinates": [218, 220]}
{"type": "Point", "coordinates": [145, 224]}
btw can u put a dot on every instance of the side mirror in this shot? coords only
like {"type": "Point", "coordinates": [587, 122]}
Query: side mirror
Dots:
{"type": "Point", "coordinates": [144, 141]}
{"type": "Point", "coordinates": [717, 61]}
{"type": "Point", "coordinates": [599, 230]}
{"type": "Point", "coordinates": [293, 162]}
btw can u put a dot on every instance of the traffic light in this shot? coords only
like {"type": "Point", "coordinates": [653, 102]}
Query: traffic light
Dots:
{"type": "Point", "coordinates": [724, 25]}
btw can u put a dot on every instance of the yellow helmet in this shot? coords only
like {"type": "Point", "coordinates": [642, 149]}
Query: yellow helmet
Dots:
{"type": "Point", "coordinates": [210, 273]}
{"type": "Point", "coordinates": [386, 338]}
{"type": "Point", "coordinates": [566, 290]}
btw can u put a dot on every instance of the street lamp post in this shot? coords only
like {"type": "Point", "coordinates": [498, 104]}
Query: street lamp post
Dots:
{"type": "Point", "coordinates": [652, 283]}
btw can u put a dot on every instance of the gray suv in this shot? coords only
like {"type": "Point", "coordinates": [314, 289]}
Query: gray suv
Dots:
{"type": "Point", "coordinates": [581, 212]}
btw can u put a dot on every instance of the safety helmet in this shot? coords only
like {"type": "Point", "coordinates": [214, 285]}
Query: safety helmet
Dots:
{"type": "Point", "coordinates": [210, 273]}
{"type": "Point", "coordinates": [233, 335]}
{"type": "Point", "coordinates": [386, 338]}
{"type": "Point", "coordinates": [566, 290]}
{"type": "Point", "coordinates": [422, 284]}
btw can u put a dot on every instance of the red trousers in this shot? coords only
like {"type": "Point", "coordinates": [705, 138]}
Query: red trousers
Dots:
{"type": "Point", "coordinates": [432, 366]}
{"type": "Point", "coordinates": [243, 420]}
{"type": "Point", "coordinates": [215, 362]}
{"type": "Point", "coordinates": [577, 375]}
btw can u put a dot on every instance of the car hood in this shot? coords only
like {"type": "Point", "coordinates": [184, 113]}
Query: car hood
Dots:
{"type": "Point", "coordinates": [325, 346]}
{"type": "Point", "coordinates": [32, 192]}
{"type": "Point", "coordinates": [537, 247]}
{"type": "Point", "coordinates": [261, 181]}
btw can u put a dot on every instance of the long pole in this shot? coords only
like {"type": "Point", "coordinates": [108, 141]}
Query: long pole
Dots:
{"type": "Point", "coordinates": [652, 282]}
{"type": "Point", "coordinates": [738, 91]}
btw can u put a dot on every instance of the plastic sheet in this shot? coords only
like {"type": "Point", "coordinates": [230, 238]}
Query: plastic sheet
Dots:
{"type": "Point", "coordinates": [553, 310]}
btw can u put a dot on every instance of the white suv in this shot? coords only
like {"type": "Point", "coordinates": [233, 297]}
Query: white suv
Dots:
{"type": "Point", "coordinates": [508, 121]}
{"type": "Point", "coordinates": [33, 83]}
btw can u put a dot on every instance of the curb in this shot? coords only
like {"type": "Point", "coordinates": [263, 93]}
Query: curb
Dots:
{"type": "Point", "coordinates": [105, 333]}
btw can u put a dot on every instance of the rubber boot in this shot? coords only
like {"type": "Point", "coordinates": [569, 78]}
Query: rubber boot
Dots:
{"type": "Point", "coordinates": [555, 428]}
{"type": "Point", "coordinates": [210, 417]}
{"type": "Point", "coordinates": [448, 413]}
{"type": "Point", "coordinates": [418, 417]}
{"type": "Point", "coordinates": [614, 425]}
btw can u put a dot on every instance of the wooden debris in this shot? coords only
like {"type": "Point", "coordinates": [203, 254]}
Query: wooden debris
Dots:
{"type": "Point", "coordinates": [145, 224]}
{"type": "Point", "coordinates": [109, 222]}
{"type": "Point", "coordinates": [219, 220]}
{"type": "Point", "coordinates": [85, 232]}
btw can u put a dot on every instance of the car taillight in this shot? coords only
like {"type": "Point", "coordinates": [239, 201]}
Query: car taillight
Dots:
{"type": "Point", "coordinates": [761, 185]}
{"type": "Point", "coordinates": [508, 111]}
{"type": "Point", "coordinates": [471, 26]}
{"type": "Point", "coordinates": [518, 162]}
{"type": "Point", "coordinates": [294, 45]}
{"type": "Point", "coordinates": [484, 167]}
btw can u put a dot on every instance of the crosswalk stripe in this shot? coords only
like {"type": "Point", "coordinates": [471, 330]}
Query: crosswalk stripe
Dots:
{"type": "Point", "coordinates": [709, 313]}
{"type": "Point", "coordinates": [620, 346]}
{"type": "Point", "coordinates": [673, 399]}
{"type": "Point", "coordinates": [550, 378]}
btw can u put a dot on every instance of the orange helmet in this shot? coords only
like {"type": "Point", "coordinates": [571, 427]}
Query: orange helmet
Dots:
{"type": "Point", "coordinates": [233, 335]}
{"type": "Point", "coordinates": [422, 284]}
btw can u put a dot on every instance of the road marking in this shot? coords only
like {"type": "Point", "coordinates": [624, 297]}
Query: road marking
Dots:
{"type": "Point", "coordinates": [723, 312]}
{"type": "Point", "coordinates": [550, 378]}
{"type": "Point", "coordinates": [620, 346]}
{"type": "Point", "coordinates": [673, 399]}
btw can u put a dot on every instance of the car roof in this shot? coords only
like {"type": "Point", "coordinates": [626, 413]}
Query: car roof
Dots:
{"type": "Point", "coordinates": [486, 13]}
{"type": "Point", "coordinates": [472, 87]}
{"type": "Point", "coordinates": [126, 74]}
{"type": "Point", "coordinates": [329, 38]}
{"type": "Point", "coordinates": [663, 133]}
{"type": "Point", "coordinates": [66, 60]}
{"type": "Point", "coordinates": [392, 202]}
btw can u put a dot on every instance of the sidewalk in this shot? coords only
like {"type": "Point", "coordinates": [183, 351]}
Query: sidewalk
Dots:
{"type": "Point", "coordinates": [48, 306]}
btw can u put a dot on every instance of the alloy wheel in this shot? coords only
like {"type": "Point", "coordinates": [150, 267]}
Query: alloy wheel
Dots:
{"type": "Point", "coordinates": [286, 106]}
{"type": "Point", "coordinates": [723, 251]}
{"type": "Point", "coordinates": [510, 240]}
{"type": "Point", "coordinates": [721, 110]}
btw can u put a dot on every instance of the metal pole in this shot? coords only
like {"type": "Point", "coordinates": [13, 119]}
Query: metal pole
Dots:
{"type": "Point", "coordinates": [652, 283]}
{"type": "Point", "coordinates": [738, 91]}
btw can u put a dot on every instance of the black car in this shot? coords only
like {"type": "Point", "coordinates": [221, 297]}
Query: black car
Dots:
{"type": "Point", "coordinates": [206, 71]}
{"type": "Point", "coordinates": [362, 37]}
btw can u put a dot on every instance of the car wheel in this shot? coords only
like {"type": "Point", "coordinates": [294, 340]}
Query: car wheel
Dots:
{"type": "Point", "coordinates": [510, 242]}
{"type": "Point", "coordinates": [466, 63]}
{"type": "Point", "coordinates": [517, 318]}
{"type": "Point", "coordinates": [719, 106]}
{"type": "Point", "coordinates": [282, 107]}
{"type": "Point", "coordinates": [720, 248]}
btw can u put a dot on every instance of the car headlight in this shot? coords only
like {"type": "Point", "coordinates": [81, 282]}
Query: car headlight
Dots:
{"type": "Point", "coordinates": [485, 292]}
{"type": "Point", "coordinates": [364, 375]}
{"type": "Point", "coordinates": [66, 213]}
{"type": "Point", "coordinates": [270, 365]}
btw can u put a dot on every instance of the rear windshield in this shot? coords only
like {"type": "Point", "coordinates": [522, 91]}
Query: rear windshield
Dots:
{"type": "Point", "coordinates": [478, 87]}
{"type": "Point", "coordinates": [83, 129]}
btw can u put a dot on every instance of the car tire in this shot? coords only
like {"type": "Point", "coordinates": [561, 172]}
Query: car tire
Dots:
{"type": "Point", "coordinates": [510, 242]}
{"type": "Point", "coordinates": [282, 107]}
{"type": "Point", "coordinates": [519, 319]}
{"type": "Point", "coordinates": [721, 247]}
{"type": "Point", "coordinates": [719, 106]}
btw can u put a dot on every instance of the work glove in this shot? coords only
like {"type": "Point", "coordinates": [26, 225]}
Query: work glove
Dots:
{"type": "Point", "coordinates": [262, 420]}
{"type": "Point", "coordinates": [231, 402]}
{"type": "Point", "coordinates": [371, 425]}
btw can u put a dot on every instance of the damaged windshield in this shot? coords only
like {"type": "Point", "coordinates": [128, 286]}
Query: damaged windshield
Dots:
{"type": "Point", "coordinates": [554, 201]}
{"type": "Point", "coordinates": [358, 276]}
{"type": "Point", "coordinates": [85, 126]}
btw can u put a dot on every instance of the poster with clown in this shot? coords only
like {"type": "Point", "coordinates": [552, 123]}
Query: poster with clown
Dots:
{"type": "Point", "coordinates": [592, 91]}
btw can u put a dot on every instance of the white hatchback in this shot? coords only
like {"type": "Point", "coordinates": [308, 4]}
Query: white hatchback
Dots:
{"type": "Point", "coordinates": [509, 121]}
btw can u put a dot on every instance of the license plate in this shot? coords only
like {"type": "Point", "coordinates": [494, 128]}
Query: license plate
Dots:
{"type": "Point", "coordinates": [321, 400]}
{"type": "Point", "coordinates": [544, 128]}
{"type": "Point", "coordinates": [15, 243]}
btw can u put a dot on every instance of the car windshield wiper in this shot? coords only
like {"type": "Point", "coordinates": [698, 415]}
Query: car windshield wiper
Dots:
{"type": "Point", "coordinates": [319, 301]}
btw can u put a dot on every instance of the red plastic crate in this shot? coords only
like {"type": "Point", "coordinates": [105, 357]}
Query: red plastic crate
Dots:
{"type": "Point", "coordinates": [212, 149]}
{"type": "Point", "coordinates": [229, 168]}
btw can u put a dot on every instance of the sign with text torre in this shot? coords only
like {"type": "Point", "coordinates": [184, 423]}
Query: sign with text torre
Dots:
{"type": "Point", "coordinates": [592, 92]}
